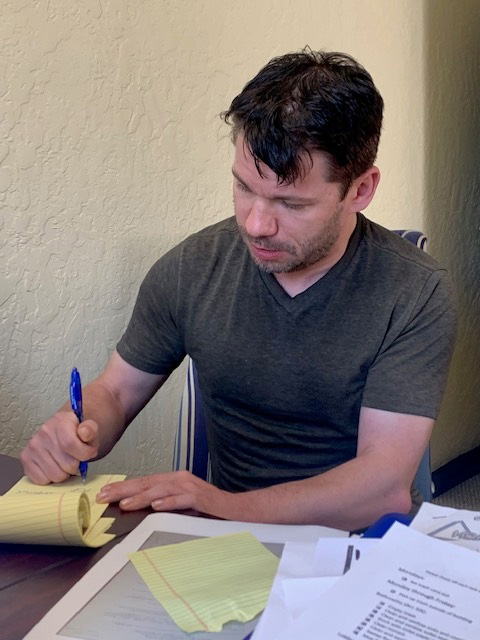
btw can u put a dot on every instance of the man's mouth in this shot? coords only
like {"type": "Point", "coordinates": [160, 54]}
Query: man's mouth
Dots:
{"type": "Point", "coordinates": [265, 253]}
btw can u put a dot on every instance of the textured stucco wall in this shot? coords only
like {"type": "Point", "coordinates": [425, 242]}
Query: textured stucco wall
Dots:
{"type": "Point", "coordinates": [452, 198]}
{"type": "Point", "coordinates": [111, 151]}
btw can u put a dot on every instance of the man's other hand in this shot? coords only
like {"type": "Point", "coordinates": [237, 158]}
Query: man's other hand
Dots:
{"type": "Point", "coordinates": [173, 491]}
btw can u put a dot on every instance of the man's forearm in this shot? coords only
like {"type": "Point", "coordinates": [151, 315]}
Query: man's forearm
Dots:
{"type": "Point", "coordinates": [347, 497]}
{"type": "Point", "coordinates": [354, 494]}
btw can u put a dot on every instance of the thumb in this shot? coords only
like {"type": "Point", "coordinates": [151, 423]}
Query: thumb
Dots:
{"type": "Point", "coordinates": [87, 432]}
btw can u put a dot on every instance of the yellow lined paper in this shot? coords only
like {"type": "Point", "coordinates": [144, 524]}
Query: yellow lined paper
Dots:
{"type": "Point", "coordinates": [205, 583]}
{"type": "Point", "coordinates": [59, 514]}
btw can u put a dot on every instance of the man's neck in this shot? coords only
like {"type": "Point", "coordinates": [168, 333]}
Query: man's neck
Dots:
{"type": "Point", "coordinates": [296, 282]}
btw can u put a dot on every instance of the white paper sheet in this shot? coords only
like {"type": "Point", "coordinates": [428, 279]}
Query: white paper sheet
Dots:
{"type": "Point", "coordinates": [459, 526]}
{"type": "Point", "coordinates": [335, 556]}
{"type": "Point", "coordinates": [305, 572]}
{"type": "Point", "coordinates": [296, 562]}
{"type": "Point", "coordinates": [301, 593]}
{"type": "Point", "coordinates": [111, 602]}
{"type": "Point", "coordinates": [411, 586]}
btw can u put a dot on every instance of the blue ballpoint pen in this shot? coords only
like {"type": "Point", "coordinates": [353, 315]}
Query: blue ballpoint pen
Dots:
{"type": "Point", "coordinates": [76, 402]}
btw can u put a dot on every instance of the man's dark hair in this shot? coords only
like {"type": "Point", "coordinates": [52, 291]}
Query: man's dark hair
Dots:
{"type": "Point", "coordinates": [305, 102]}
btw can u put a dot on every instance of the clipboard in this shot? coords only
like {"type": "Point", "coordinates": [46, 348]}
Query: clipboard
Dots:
{"type": "Point", "coordinates": [111, 601]}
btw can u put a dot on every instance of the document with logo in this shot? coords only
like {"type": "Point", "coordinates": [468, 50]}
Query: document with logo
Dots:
{"type": "Point", "coordinates": [459, 526]}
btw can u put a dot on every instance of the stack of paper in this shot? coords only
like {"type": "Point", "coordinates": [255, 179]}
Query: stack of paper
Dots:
{"type": "Point", "coordinates": [305, 573]}
{"type": "Point", "coordinates": [407, 585]}
{"type": "Point", "coordinates": [58, 514]}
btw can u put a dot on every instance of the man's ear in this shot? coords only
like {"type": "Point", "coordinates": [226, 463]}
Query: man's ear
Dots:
{"type": "Point", "coordinates": [363, 189]}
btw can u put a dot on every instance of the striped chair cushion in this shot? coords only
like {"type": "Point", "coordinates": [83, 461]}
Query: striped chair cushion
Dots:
{"type": "Point", "coordinates": [191, 448]}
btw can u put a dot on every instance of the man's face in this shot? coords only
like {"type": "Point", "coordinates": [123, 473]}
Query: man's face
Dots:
{"type": "Point", "coordinates": [290, 227]}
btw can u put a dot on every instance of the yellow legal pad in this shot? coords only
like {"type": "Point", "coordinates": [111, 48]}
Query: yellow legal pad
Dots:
{"type": "Point", "coordinates": [60, 514]}
{"type": "Point", "coordinates": [205, 583]}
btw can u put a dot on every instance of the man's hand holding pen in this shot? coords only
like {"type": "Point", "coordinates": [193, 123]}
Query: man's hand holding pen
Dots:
{"type": "Point", "coordinates": [57, 448]}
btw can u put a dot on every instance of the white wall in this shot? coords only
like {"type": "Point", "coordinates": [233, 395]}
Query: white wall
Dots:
{"type": "Point", "coordinates": [111, 151]}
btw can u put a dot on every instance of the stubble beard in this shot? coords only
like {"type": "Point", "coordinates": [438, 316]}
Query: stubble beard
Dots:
{"type": "Point", "coordinates": [308, 253]}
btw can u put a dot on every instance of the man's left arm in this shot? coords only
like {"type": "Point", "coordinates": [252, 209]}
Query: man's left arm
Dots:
{"type": "Point", "coordinates": [350, 496]}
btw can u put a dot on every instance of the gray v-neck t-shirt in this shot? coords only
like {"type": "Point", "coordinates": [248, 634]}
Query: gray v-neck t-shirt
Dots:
{"type": "Point", "coordinates": [283, 378]}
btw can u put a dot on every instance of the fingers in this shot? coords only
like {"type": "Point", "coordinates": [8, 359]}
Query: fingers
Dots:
{"type": "Point", "coordinates": [87, 431]}
{"type": "Point", "coordinates": [173, 503]}
{"type": "Point", "coordinates": [55, 450]}
{"type": "Point", "coordinates": [44, 467]}
{"type": "Point", "coordinates": [136, 493]}
{"type": "Point", "coordinates": [39, 474]}
{"type": "Point", "coordinates": [44, 459]}
{"type": "Point", "coordinates": [117, 491]}
{"type": "Point", "coordinates": [169, 491]}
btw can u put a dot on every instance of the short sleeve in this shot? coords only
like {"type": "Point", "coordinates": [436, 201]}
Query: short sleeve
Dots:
{"type": "Point", "coordinates": [151, 341]}
{"type": "Point", "coordinates": [410, 371]}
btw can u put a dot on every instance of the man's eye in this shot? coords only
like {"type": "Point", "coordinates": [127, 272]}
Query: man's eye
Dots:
{"type": "Point", "coordinates": [293, 207]}
{"type": "Point", "coordinates": [242, 187]}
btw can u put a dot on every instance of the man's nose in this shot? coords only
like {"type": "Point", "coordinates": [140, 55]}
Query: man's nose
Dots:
{"type": "Point", "coordinates": [261, 220]}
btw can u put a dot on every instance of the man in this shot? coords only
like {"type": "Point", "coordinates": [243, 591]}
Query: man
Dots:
{"type": "Point", "coordinates": [321, 340]}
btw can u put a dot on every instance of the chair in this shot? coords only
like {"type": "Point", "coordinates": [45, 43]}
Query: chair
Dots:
{"type": "Point", "coordinates": [191, 448]}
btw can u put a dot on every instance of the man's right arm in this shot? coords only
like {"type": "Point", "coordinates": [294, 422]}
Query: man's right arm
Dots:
{"type": "Point", "coordinates": [110, 403]}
